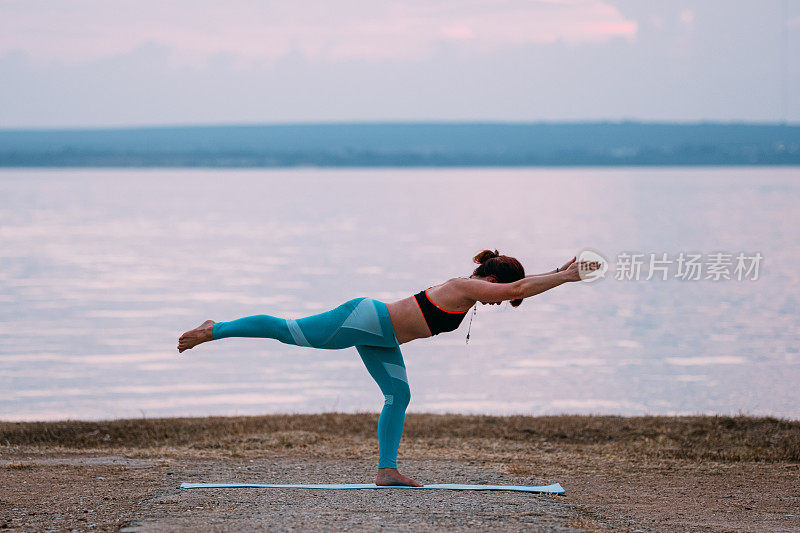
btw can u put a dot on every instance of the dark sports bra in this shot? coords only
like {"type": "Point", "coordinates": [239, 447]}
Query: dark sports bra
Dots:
{"type": "Point", "coordinates": [439, 320]}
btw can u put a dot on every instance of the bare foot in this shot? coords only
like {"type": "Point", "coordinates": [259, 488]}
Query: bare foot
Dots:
{"type": "Point", "coordinates": [391, 477]}
{"type": "Point", "coordinates": [193, 337]}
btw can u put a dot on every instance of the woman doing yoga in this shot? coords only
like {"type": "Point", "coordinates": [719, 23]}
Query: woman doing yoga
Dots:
{"type": "Point", "coordinates": [377, 330]}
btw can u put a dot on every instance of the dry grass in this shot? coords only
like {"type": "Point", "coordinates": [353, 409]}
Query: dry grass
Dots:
{"type": "Point", "coordinates": [717, 438]}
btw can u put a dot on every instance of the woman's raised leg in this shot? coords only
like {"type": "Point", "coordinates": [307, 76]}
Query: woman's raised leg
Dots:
{"type": "Point", "coordinates": [354, 322]}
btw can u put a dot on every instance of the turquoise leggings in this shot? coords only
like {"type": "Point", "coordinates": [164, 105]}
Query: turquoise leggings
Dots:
{"type": "Point", "coordinates": [363, 323]}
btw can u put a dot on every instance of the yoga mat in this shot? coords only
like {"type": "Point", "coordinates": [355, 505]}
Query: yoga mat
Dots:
{"type": "Point", "coordinates": [555, 488]}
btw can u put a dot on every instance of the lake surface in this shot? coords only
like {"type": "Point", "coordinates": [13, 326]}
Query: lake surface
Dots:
{"type": "Point", "coordinates": [101, 271]}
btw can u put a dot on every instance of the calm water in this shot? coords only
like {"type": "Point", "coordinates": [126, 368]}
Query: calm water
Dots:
{"type": "Point", "coordinates": [101, 270]}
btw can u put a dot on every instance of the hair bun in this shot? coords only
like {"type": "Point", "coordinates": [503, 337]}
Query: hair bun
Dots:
{"type": "Point", "coordinates": [485, 255]}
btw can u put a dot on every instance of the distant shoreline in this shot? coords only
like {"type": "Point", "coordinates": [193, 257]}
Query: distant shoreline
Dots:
{"type": "Point", "coordinates": [414, 145]}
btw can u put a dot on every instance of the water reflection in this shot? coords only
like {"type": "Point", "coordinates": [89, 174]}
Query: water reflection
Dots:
{"type": "Point", "coordinates": [101, 270]}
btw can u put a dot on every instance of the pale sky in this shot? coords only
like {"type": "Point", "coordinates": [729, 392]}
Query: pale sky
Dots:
{"type": "Point", "coordinates": [121, 62]}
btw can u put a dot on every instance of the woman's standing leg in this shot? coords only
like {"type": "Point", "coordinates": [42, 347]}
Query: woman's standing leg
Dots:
{"type": "Point", "coordinates": [387, 368]}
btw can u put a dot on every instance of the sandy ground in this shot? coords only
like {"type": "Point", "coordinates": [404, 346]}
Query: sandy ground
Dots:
{"type": "Point", "coordinates": [53, 479]}
{"type": "Point", "coordinates": [113, 492]}
{"type": "Point", "coordinates": [92, 492]}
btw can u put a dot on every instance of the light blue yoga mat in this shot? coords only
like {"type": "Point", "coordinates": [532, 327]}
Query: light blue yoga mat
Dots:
{"type": "Point", "coordinates": [555, 488]}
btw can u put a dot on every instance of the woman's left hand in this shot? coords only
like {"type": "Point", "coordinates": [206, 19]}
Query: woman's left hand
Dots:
{"type": "Point", "coordinates": [567, 264]}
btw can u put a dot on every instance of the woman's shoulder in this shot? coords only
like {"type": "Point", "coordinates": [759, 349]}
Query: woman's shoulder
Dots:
{"type": "Point", "coordinates": [449, 283]}
{"type": "Point", "coordinates": [450, 295]}
{"type": "Point", "coordinates": [452, 286]}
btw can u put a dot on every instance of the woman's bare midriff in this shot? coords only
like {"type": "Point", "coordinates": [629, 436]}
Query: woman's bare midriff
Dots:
{"type": "Point", "coordinates": [407, 320]}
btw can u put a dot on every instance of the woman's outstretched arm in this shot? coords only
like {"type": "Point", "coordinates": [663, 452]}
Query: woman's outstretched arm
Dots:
{"type": "Point", "coordinates": [477, 290]}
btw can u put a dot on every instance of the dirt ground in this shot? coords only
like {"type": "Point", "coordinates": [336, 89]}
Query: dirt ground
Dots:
{"type": "Point", "coordinates": [610, 487]}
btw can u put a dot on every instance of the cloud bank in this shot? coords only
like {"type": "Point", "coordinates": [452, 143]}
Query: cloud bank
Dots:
{"type": "Point", "coordinates": [88, 63]}
{"type": "Point", "coordinates": [318, 30]}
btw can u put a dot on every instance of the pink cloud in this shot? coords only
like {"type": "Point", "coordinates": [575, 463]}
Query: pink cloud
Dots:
{"type": "Point", "coordinates": [320, 30]}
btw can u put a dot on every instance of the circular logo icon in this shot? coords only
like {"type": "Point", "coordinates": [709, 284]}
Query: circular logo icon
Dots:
{"type": "Point", "coordinates": [587, 273]}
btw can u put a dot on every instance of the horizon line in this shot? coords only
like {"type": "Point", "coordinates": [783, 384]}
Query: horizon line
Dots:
{"type": "Point", "coordinates": [120, 127]}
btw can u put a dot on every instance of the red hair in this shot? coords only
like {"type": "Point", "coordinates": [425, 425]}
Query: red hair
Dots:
{"type": "Point", "coordinates": [504, 268]}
